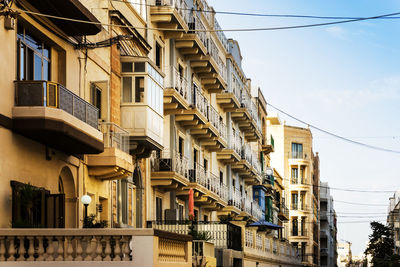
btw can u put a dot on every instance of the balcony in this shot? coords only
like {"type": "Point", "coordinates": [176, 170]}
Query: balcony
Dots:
{"type": "Point", "coordinates": [223, 235]}
{"type": "Point", "coordinates": [283, 212]}
{"type": "Point", "coordinates": [204, 122]}
{"type": "Point", "coordinates": [229, 100]}
{"type": "Point", "coordinates": [94, 247]}
{"type": "Point", "coordinates": [298, 232]}
{"type": "Point", "coordinates": [142, 106]}
{"type": "Point", "coordinates": [259, 246]}
{"type": "Point", "coordinates": [54, 116]}
{"type": "Point", "coordinates": [231, 154]}
{"type": "Point", "coordinates": [210, 192]}
{"type": "Point", "coordinates": [170, 170]}
{"type": "Point", "coordinates": [248, 167]}
{"type": "Point", "coordinates": [247, 117]}
{"type": "Point", "coordinates": [170, 14]}
{"type": "Point", "coordinates": [115, 162]}
{"type": "Point", "coordinates": [268, 145]}
{"type": "Point", "coordinates": [235, 202]}
{"type": "Point", "coordinates": [298, 157]}
{"type": "Point", "coordinates": [177, 93]}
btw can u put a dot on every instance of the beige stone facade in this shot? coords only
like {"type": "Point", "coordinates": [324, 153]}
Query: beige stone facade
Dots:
{"type": "Point", "coordinates": [299, 166]}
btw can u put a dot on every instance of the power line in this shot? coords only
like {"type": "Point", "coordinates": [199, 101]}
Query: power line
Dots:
{"type": "Point", "coordinates": [335, 135]}
{"type": "Point", "coordinates": [252, 14]}
{"type": "Point", "coordinates": [357, 203]}
{"type": "Point", "coordinates": [210, 30]}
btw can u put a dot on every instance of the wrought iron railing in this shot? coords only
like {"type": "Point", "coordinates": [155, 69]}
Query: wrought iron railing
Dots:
{"type": "Point", "coordinates": [114, 136]}
{"type": "Point", "coordinates": [170, 161]}
{"type": "Point", "coordinates": [180, 6]}
{"type": "Point", "coordinates": [236, 198]}
{"type": "Point", "coordinates": [235, 144]}
{"type": "Point", "coordinates": [179, 83]}
{"type": "Point", "coordinates": [199, 101]}
{"type": "Point", "coordinates": [223, 235]}
{"type": "Point", "coordinates": [221, 35]}
{"type": "Point", "coordinates": [50, 94]}
{"type": "Point", "coordinates": [196, 26]}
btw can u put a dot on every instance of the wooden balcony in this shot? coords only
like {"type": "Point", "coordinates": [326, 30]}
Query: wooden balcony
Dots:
{"type": "Point", "coordinates": [170, 170]}
{"type": "Point", "coordinates": [52, 115]}
{"type": "Point", "coordinates": [94, 247]}
{"type": "Point", "coordinates": [115, 162]}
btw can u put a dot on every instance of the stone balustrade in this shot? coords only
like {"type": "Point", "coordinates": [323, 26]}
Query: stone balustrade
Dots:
{"type": "Point", "coordinates": [103, 247]}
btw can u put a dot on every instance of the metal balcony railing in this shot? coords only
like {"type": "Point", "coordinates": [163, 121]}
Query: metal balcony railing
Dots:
{"type": "Point", "coordinates": [50, 94]}
{"type": "Point", "coordinates": [255, 162]}
{"type": "Point", "coordinates": [199, 101]}
{"type": "Point", "coordinates": [234, 88]}
{"type": "Point", "coordinates": [298, 155]}
{"type": "Point", "coordinates": [298, 232]}
{"type": "Point", "coordinates": [283, 209]}
{"type": "Point", "coordinates": [114, 136]}
{"type": "Point", "coordinates": [234, 143]}
{"type": "Point", "coordinates": [207, 12]}
{"type": "Point", "coordinates": [222, 69]}
{"type": "Point", "coordinates": [221, 35]}
{"type": "Point", "coordinates": [223, 235]}
{"type": "Point", "coordinates": [170, 161]}
{"type": "Point", "coordinates": [213, 49]}
{"type": "Point", "coordinates": [236, 199]}
{"type": "Point", "coordinates": [246, 152]}
{"type": "Point", "coordinates": [180, 6]}
{"type": "Point", "coordinates": [196, 26]}
{"type": "Point", "coordinates": [256, 211]}
{"type": "Point", "coordinates": [294, 206]}
{"type": "Point", "coordinates": [179, 83]}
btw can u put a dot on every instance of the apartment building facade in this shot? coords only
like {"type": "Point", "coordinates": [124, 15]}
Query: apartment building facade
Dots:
{"type": "Point", "coordinates": [393, 220]}
{"type": "Point", "coordinates": [135, 119]}
{"type": "Point", "coordinates": [299, 166]}
{"type": "Point", "coordinates": [328, 230]}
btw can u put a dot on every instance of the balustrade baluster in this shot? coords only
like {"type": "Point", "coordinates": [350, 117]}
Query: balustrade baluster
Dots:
{"type": "Point", "coordinates": [70, 250]}
{"type": "Point", "coordinates": [11, 249]}
{"type": "Point", "coordinates": [60, 248]}
{"type": "Point", "coordinates": [79, 250]}
{"type": "Point", "coordinates": [107, 250]}
{"type": "Point", "coordinates": [50, 249]}
{"type": "Point", "coordinates": [2, 248]}
{"type": "Point", "coordinates": [117, 249]}
{"type": "Point", "coordinates": [98, 249]}
{"type": "Point", "coordinates": [31, 248]}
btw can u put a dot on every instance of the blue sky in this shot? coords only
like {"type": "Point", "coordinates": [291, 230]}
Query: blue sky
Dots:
{"type": "Point", "coordinates": [343, 78]}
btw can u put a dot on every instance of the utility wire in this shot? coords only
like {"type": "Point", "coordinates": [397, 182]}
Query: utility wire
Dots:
{"type": "Point", "coordinates": [335, 135]}
{"type": "Point", "coordinates": [357, 203]}
{"type": "Point", "coordinates": [210, 30]}
{"type": "Point", "coordinates": [252, 14]}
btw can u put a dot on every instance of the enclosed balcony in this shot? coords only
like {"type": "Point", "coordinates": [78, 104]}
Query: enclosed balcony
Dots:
{"type": "Point", "coordinates": [142, 106]}
{"type": "Point", "coordinates": [170, 170]}
{"type": "Point", "coordinates": [170, 14]}
{"type": "Point", "coordinates": [115, 162]}
{"type": "Point", "coordinates": [54, 116]}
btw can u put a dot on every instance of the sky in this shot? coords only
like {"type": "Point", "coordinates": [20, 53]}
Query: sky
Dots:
{"type": "Point", "coordinates": [343, 78]}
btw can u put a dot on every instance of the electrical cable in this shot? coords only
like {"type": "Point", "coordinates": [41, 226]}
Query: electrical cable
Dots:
{"type": "Point", "coordinates": [335, 135]}
{"type": "Point", "coordinates": [255, 14]}
{"type": "Point", "coordinates": [211, 30]}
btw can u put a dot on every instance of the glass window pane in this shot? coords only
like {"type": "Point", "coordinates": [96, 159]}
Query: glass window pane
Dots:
{"type": "Point", "coordinates": [139, 89]}
{"type": "Point", "coordinates": [127, 89]}
{"type": "Point", "coordinates": [22, 62]}
{"type": "Point", "coordinates": [38, 68]}
{"type": "Point", "coordinates": [127, 67]}
{"type": "Point", "coordinates": [46, 70]}
{"type": "Point", "coordinates": [46, 51]}
{"type": "Point", "coordinates": [140, 67]}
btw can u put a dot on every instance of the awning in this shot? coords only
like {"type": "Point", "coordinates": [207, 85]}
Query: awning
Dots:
{"type": "Point", "coordinates": [267, 225]}
{"type": "Point", "coordinates": [72, 9]}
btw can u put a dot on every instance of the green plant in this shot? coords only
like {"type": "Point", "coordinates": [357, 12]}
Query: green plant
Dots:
{"type": "Point", "coordinates": [91, 222]}
{"type": "Point", "coordinates": [201, 235]}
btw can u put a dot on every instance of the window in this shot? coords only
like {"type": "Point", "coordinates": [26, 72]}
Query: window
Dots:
{"type": "Point", "coordinates": [140, 7]}
{"type": "Point", "coordinates": [295, 175]}
{"type": "Point", "coordinates": [142, 84]}
{"type": "Point", "coordinates": [297, 151]}
{"type": "Point", "coordinates": [95, 95]}
{"type": "Point", "coordinates": [158, 56]}
{"type": "Point", "coordinates": [158, 209]}
{"type": "Point", "coordinates": [295, 227]}
{"type": "Point", "coordinates": [33, 57]}
{"type": "Point", "coordinates": [303, 174]}
{"type": "Point", "coordinates": [295, 201]}
{"type": "Point", "coordinates": [181, 208]}
{"type": "Point", "coordinates": [180, 146]}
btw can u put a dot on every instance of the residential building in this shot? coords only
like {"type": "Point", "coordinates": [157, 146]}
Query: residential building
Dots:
{"type": "Point", "coordinates": [328, 240]}
{"type": "Point", "coordinates": [81, 112]}
{"type": "Point", "coordinates": [393, 219]}
{"type": "Point", "coordinates": [344, 254]}
{"type": "Point", "coordinates": [299, 167]}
